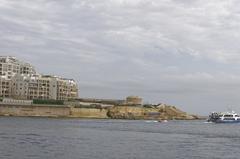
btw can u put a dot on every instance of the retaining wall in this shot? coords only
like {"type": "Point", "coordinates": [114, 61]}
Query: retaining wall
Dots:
{"type": "Point", "coordinates": [89, 113]}
{"type": "Point", "coordinates": [35, 110]}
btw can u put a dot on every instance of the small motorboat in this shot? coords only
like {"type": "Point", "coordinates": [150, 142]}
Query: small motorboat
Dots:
{"type": "Point", "coordinates": [162, 121]}
{"type": "Point", "coordinates": [151, 121]}
{"type": "Point", "coordinates": [226, 117]}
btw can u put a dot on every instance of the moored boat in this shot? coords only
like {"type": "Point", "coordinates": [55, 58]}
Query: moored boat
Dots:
{"type": "Point", "coordinates": [226, 117]}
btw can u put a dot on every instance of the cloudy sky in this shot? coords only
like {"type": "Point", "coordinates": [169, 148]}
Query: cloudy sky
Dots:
{"type": "Point", "coordinates": [180, 52]}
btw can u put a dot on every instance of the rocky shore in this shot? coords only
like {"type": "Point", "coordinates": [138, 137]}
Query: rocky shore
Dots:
{"type": "Point", "coordinates": [131, 108]}
{"type": "Point", "coordinates": [94, 109]}
{"type": "Point", "coordinates": [161, 112]}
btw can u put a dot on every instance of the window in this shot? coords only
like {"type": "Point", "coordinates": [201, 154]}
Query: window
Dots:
{"type": "Point", "coordinates": [228, 116]}
{"type": "Point", "coordinates": [228, 119]}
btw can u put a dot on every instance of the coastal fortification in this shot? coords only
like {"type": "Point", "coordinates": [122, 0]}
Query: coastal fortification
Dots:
{"type": "Point", "coordinates": [104, 109]}
{"type": "Point", "coordinates": [157, 113]}
{"type": "Point", "coordinates": [133, 100]}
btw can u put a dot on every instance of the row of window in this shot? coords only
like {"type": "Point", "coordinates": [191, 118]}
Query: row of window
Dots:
{"type": "Point", "coordinates": [229, 116]}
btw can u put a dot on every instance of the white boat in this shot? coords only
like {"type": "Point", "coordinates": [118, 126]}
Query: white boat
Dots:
{"type": "Point", "coordinates": [226, 117]}
{"type": "Point", "coordinates": [162, 121]}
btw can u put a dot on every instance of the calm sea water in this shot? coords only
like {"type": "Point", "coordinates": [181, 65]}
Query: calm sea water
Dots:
{"type": "Point", "coordinates": [43, 138]}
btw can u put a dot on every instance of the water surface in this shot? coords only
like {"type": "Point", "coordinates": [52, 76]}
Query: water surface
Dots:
{"type": "Point", "coordinates": [39, 138]}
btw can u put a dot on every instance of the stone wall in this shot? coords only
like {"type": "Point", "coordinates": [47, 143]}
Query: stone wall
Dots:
{"type": "Point", "coordinates": [36, 110]}
{"type": "Point", "coordinates": [89, 113]}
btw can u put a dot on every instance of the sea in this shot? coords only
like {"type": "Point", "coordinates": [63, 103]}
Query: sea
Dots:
{"type": "Point", "coordinates": [54, 138]}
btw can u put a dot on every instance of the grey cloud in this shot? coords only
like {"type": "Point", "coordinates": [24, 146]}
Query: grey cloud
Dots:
{"type": "Point", "coordinates": [166, 51]}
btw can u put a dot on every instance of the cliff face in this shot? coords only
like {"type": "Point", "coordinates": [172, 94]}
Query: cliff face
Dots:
{"type": "Point", "coordinates": [158, 113]}
{"type": "Point", "coordinates": [126, 112]}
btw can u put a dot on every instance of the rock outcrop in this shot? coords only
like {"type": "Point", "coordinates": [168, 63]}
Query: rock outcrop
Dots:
{"type": "Point", "coordinates": [159, 112]}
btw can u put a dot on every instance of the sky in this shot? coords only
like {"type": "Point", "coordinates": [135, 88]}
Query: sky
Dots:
{"type": "Point", "coordinates": [179, 52]}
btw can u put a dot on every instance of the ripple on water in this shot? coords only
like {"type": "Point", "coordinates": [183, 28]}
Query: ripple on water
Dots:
{"type": "Point", "coordinates": [86, 139]}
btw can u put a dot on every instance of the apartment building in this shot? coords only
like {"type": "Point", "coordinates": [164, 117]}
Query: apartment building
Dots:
{"type": "Point", "coordinates": [23, 86]}
{"type": "Point", "coordinates": [66, 88]}
{"type": "Point", "coordinates": [10, 66]}
{"type": "Point", "coordinates": [20, 81]}
{"type": "Point", "coordinates": [5, 87]}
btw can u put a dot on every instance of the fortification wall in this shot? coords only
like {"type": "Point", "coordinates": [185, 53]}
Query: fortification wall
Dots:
{"type": "Point", "coordinates": [36, 110]}
{"type": "Point", "coordinates": [89, 113]}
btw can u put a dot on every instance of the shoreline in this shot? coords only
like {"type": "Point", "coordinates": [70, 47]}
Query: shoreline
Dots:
{"type": "Point", "coordinates": [115, 112]}
{"type": "Point", "coordinates": [83, 118]}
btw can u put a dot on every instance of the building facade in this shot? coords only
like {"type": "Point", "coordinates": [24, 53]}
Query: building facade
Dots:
{"type": "Point", "coordinates": [19, 80]}
{"type": "Point", "coordinates": [10, 66]}
{"type": "Point", "coordinates": [5, 87]}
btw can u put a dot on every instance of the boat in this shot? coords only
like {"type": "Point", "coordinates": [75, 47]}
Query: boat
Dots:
{"type": "Point", "coordinates": [225, 117]}
{"type": "Point", "coordinates": [162, 121]}
{"type": "Point", "coordinates": [151, 121]}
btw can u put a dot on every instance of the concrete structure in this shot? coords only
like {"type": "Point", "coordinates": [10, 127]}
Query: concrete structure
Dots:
{"type": "Point", "coordinates": [5, 87]}
{"type": "Point", "coordinates": [19, 80]}
{"type": "Point", "coordinates": [66, 89]}
{"type": "Point", "coordinates": [89, 113]}
{"type": "Point", "coordinates": [10, 66]}
{"type": "Point", "coordinates": [133, 100]}
{"type": "Point", "coordinates": [10, 101]}
{"type": "Point", "coordinates": [44, 87]}
{"type": "Point", "coordinates": [36, 110]}
{"type": "Point", "coordinates": [102, 101]}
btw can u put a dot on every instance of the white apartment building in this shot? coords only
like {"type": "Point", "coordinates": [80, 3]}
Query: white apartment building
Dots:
{"type": "Point", "coordinates": [20, 81]}
{"type": "Point", "coordinates": [66, 88]}
{"type": "Point", "coordinates": [5, 87]}
{"type": "Point", "coordinates": [10, 66]}
{"type": "Point", "coordinates": [44, 87]}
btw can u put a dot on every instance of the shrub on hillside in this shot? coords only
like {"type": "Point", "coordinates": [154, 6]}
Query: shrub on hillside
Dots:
{"type": "Point", "coordinates": [48, 101]}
